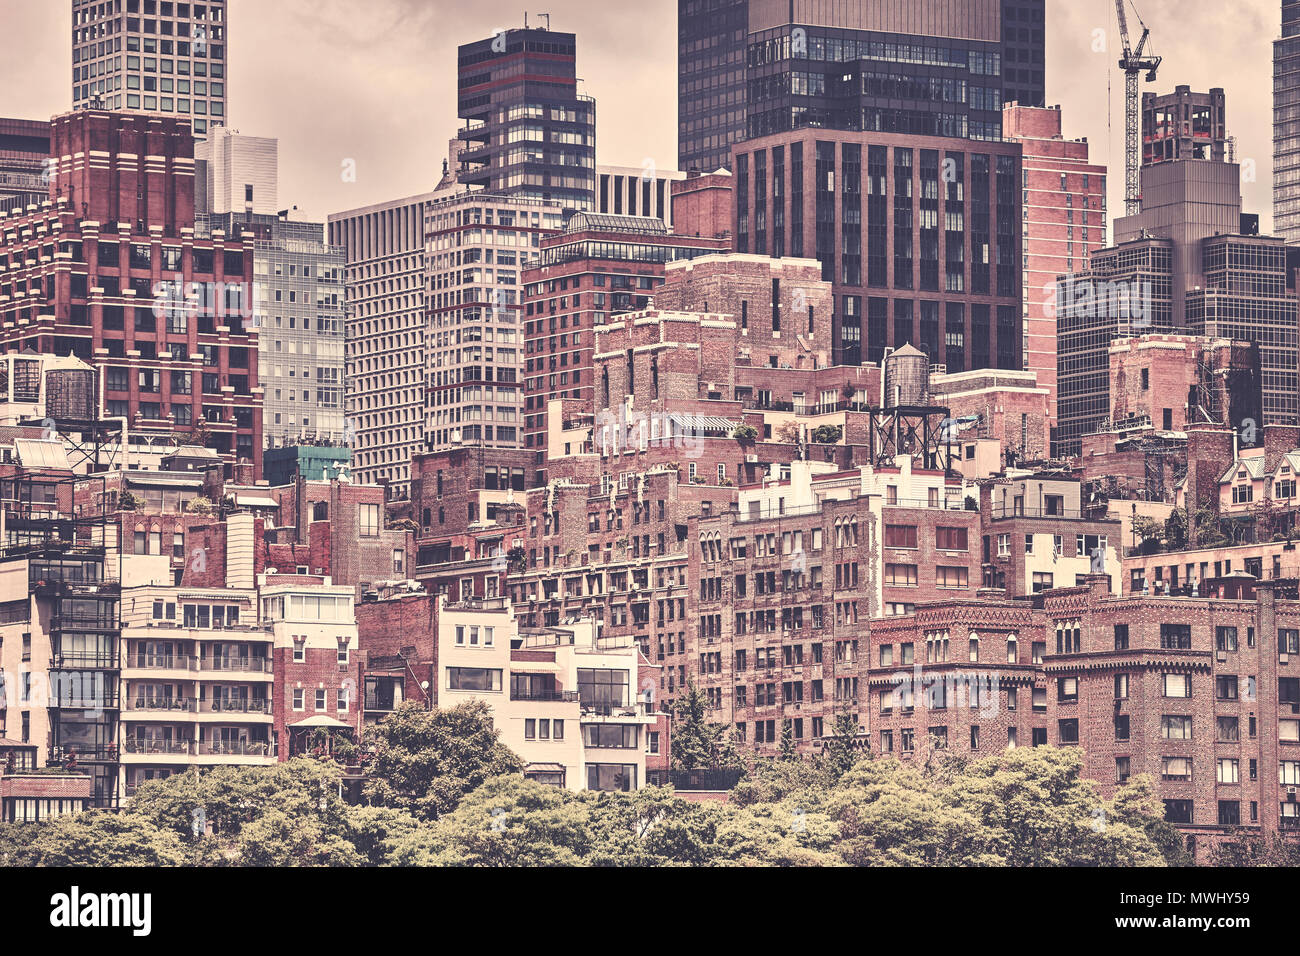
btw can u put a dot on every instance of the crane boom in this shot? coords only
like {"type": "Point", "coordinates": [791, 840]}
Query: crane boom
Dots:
{"type": "Point", "coordinates": [1133, 63]}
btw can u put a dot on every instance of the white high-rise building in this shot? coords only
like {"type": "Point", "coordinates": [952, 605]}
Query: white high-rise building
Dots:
{"type": "Point", "coordinates": [384, 380]}
{"type": "Point", "coordinates": [238, 174]}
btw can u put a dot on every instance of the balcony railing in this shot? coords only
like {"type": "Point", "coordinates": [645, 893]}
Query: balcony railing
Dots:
{"type": "Point", "coordinates": [83, 661]}
{"type": "Point", "coordinates": [255, 706]}
{"type": "Point", "coordinates": [136, 745]}
{"type": "Point", "coordinates": [237, 748]}
{"type": "Point", "coordinates": [167, 662]}
{"type": "Point", "coordinates": [605, 709]}
{"type": "Point", "coordinates": [254, 665]}
{"type": "Point", "coordinates": [556, 696]}
{"type": "Point", "coordinates": [174, 704]}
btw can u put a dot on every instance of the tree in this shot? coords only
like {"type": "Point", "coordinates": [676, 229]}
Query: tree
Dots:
{"type": "Point", "coordinates": [98, 838]}
{"type": "Point", "coordinates": [827, 434]}
{"type": "Point", "coordinates": [508, 821]}
{"type": "Point", "coordinates": [841, 754]}
{"type": "Point", "coordinates": [1149, 530]}
{"type": "Point", "coordinates": [696, 742]}
{"type": "Point", "coordinates": [1033, 807]}
{"type": "Point", "coordinates": [1176, 530]}
{"type": "Point", "coordinates": [427, 760]}
{"type": "Point", "coordinates": [787, 433]}
{"type": "Point", "coordinates": [199, 506]}
{"type": "Point", "coordinates": [745, 434]}
{"type": "Point", "coordinates": [788, 750]}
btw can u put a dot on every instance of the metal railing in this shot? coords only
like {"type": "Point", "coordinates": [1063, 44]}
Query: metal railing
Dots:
{"type": "Point", "coordinates": [237, 748]}
{"type": "Point", "coordinates": [554, 696]}
{"type": "Point", "coordinates": [135, 745]}
{"type": "Point", "coordinates": [257, 705]}
{"type": "Point", "coordinates": [173, 704]}
{"type": "Point", "coordinates": [254, 665]}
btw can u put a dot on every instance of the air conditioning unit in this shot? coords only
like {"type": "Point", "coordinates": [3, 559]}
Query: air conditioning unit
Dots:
{"type": "Point", "coordinates": [1221, 655]}
{"type": "Point", "coordinates": [751, 459]}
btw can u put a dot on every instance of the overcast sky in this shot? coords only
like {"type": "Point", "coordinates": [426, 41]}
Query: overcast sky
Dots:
{"type": "Point", "coordinates": [375, 80]}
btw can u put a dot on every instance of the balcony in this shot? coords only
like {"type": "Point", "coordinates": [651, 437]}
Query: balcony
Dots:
{"type": "Point", "coordinates": [257, 705]}
{"type": "Point", "coordinates": [236, 748]}
{"type": "Point", "coordinates": [248, 665]}
{"type": "Point", "coordinates": [74, 662]}
{"type": "Point", "coordinates": [551, 696]}
{"type": "Point", "coordinates": [160, 662]}
{"type": "Point", "coordinates": [603, 710]}
{"type": "Point", "coordinates": [178, 705]}
{"type": "Point", "coordinates": [137, 746]}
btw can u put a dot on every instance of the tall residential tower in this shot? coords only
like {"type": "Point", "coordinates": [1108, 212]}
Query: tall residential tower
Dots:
{"type": "Point", "coordinates": [154, 56]}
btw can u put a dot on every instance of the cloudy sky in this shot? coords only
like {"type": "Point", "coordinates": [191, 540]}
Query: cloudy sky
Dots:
{"type": "Point", "coordinates": [375, 80]}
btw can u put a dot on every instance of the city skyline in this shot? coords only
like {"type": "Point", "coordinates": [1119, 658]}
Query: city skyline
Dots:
{"type": "Point", "coordinates": [391, 109]}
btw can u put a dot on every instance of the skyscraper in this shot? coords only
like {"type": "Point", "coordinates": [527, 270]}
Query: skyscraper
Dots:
{"type": "Point", "coordinates": [155, 56]}
{"type": "Point", "coordinates": [528, 132]}
{"type": "Point", "coordinates": [159, 311]}
{"type": "Point", "coordinates": [1065, 222]}
{"type": "Point", "coordinates": [1286, 125]}
{"type": "Point", "coordinates": [1190, 261]}
{"type": "Point", "coordinates": [901, 66]}
{"type": "Point", "coordinates": [385, 329]}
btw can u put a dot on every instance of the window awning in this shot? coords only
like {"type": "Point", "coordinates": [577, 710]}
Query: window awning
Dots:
{"type": "Point", "coordinates": [255, 501]}
{"type": "Point", "coordinates": [320, 720]}
{"type": "Point", "coordinates": [688, 422]}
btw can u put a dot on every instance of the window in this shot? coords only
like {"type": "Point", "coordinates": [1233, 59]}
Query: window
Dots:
{"type": "Point", "coordinates": [473, 678]}
{"type": "Point", "coordinates": [1121, 687]}
{"type": "Point", "coordinates": [1122, 771]}
{"type": "Point", "coordinates": [1042, 581]}
{"type": "Point", "coordinates": [950, 539]}
{"type": "Point", "coordinates": [1178, 811]}
{"type": "Point", "coordinates": [1121, 637]}
{"type": "Point", "coordinates": [1225, 638]}
{"type": "Point", "coordinates": [368, 520]}
{"type": "Point", "coordinates": [1176, 768]}
{"type": "Point", "coordinates": [1228, 770]}
{"type": "Point", "coordinates": [611, 777]}
{"type": "Point", "coordinates": [1067, 689]}
{"type": "Point", "coordinates": [1176, 727]}
{"type": "Point", "coordinates": [901, 575]}
{"type": "Point", "coordinates": [951, 577]}
{"type": "Point", "coordinates": [1178, 685]}
{"type": "Point", "coordinates": [1176, 637]}
{"type": "Point", "coordinates": [1068, 731]}
{"type": "Point", "coordinates": [297, 698]}
{"type": "Point", "coordinates": [1121, 727]}
{"type": "Point", "coordinates": [900, 536]}
{"type": "Point", "coordinates": [1225, 687]}
{"type": "Point", "coordinates": [1288, 641]}
{"type": "Point", "coordinates": [1227, 730]}
{"type": "Point", "coordinates": [320, 698]}
{"type": "Point", "coordinates": [610, 736]}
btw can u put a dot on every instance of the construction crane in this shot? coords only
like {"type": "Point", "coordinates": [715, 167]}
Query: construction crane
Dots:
{"type": "Point", "coordinates": [1133, 63]}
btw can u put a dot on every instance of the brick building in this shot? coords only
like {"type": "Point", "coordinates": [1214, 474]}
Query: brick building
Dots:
{"type": "Point", "coordinates": [1064, 222]}
{"type": "Point", "coordinates": [1193, 691]}
{"type": "Point", "coordinates": [110, 271]}
{"type": "Point", "coordinates": [1040, 534]}
{"type": "Point", "coordinates": [599, 267]}
{"type": "Point", "coordinates": [1007, 407]}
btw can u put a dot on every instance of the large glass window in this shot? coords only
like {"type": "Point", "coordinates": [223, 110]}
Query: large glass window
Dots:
{"type": "Point", "coordinates": [474, 678]}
